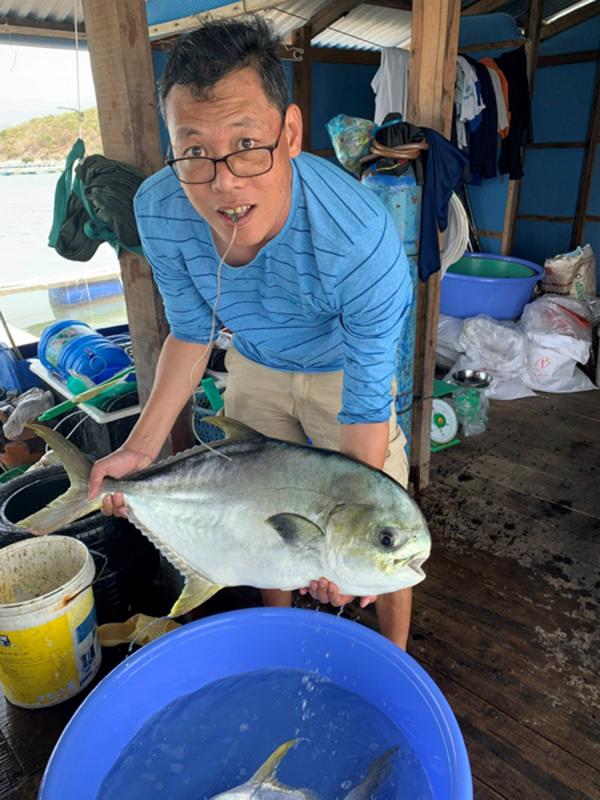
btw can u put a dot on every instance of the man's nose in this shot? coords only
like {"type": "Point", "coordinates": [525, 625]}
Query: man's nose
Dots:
{"type": "Point", "coordinates": [224, 180]}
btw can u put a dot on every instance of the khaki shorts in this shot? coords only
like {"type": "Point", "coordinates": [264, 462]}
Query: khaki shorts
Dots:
{"type": "Point", "coordinates": [295, 406]}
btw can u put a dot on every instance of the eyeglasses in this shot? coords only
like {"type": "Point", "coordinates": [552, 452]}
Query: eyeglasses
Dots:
{"type": "Point", "coordinates": [242, 163]}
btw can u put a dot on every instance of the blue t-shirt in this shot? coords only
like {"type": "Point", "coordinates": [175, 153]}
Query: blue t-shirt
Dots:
{"type": "Point", "coordinates": [327, 293]}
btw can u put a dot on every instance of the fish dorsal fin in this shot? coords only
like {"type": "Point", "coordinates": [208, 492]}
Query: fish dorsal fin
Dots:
{"type": "Point", "coordinates": [232, 428]}
{"type": "Point", "coordinates": [294, 528]}
{"type": "Point", "coordinates": [197, 590]}
{"type": "Point", "coordinates": [378, 773]}
{"type": "Point", "coordinates": [266, 773]}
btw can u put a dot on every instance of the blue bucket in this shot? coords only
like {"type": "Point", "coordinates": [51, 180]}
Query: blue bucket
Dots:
{"type": "Point", "coordinates": [70, 347]}
{"type": "Point", "coordinates": [350, 655]}
{"type": "Point", "coordinates": [485, 283]}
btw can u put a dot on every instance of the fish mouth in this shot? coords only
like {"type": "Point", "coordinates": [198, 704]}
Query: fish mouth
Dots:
{"type": "Point", "coordinates": [414, 563]}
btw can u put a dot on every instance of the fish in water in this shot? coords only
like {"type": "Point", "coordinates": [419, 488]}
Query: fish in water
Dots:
{"type": "Point", "coordinates": [263, 785]}
{"type": "Point", "coordinates": [259, 512]}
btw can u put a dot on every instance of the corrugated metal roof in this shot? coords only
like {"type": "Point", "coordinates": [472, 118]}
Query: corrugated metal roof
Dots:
{"type": "Point", "coordinates": [364, 28]}
{"type": "Point", "coordinates": [43, 10]}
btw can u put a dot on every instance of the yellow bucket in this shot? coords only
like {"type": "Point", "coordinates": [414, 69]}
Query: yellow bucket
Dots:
{"type": "Point", "coordinates": [49, 648]}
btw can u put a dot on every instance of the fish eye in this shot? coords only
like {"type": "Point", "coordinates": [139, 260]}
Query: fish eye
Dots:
{"type": "Point", "coordinates": [386, 538]}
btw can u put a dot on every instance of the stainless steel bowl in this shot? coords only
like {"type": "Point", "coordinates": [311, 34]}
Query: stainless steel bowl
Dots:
{"type": "Point", "coordinates": [472, 378]}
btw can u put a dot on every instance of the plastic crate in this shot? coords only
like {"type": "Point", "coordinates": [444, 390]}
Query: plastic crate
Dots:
{"type": "Point", "coordinates": [204, 430]}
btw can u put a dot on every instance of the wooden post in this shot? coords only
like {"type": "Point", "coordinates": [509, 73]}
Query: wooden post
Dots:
{"type": "Point", "coordinates": [432, 75]}
{"type": "Point", "coordinates": [302, 83]}
{"type": "Point", "coordinates": [117, 35]}
{"type": "Point", "coordinates": [534, 26]}
{"type": "Point", "coordinates": [588, 165]}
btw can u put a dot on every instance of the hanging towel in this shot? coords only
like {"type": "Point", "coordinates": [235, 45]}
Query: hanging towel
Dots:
{"type": "Point", "coordinates": [514, 66]}
{"type": "Point", "coordinates": [390, 83]}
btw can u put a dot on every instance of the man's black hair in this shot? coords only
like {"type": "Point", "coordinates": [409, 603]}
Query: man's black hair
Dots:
{"type": "Point", "coordinates": [200, 59]}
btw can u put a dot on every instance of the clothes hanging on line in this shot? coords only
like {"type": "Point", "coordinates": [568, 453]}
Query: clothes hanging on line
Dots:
{"type": "Point", "coordinates": [390, 83]}
{"type": "Point", "coordinates": [467, 100]}
{"type": "Point", "coordinates": [483, 140]}
{"type": "Point", "coordinates": [514, 66]}
{"type": "Point", "coordinates": [501, 92]}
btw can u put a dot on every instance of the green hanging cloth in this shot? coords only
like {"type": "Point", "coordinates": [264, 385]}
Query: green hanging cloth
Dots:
{"type": "Point", "coordinates": [93, 202]}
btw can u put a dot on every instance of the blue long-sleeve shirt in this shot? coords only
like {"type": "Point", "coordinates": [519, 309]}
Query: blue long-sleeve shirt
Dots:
{"type": "Point", "coordinates": [328, 292]}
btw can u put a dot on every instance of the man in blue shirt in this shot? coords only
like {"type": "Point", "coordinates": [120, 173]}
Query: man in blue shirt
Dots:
{"type": "Point", "coordinates": [299, 261]}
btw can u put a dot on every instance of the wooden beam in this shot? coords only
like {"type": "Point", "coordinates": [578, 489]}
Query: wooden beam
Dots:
{"type": "Point", "coordinates": [483, 7]}
{"type": "Point", "coordinates": [400, 5]}
{"type": "Point", "coordinates": [329, 14]}
{"type": "Point", "coordinates": [570, 20]}
{"type": "Point", "coordinates": [342, 55]}
{"type": "Point", "coordinates": [544, 218]}
{"type": "Point", "coordinates": [302, 82]}
{"type": "Point", "coordinates": [127, 109]}
{"type": "Point", "coordinates": [504, 44]}
{"type": "Point", "coordinates": [554, 145]}
{"type": "Point", "coordinates": [588, 166]}
{"type": "Point", "coordinates": [434, 48]}
{"type": "Point", "coordinates": [534, 24]}
{"type": "Point", "coordinates": [568, 58]}
{"type": "Point", "coordinates": [176, 27]}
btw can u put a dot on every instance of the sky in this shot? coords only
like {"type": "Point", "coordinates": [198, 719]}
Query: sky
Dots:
{"type": "Point", "coordinates": [35, 81]}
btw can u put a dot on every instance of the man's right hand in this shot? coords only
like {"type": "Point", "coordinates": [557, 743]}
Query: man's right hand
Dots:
{"type": "Point", "coordinates": [116, 465]}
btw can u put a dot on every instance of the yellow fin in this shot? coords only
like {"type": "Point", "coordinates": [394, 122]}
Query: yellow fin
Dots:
{"type": "Point", "coordinates": [266, 772]}
{"type": "Point", "coordinates": [197, 590]}
{"type": "Point", "coordinates": [139, 629]}
{"type": "Point", "coordinates": [232, 428]}
{"type": "Point", "coordinates": [74, 503]}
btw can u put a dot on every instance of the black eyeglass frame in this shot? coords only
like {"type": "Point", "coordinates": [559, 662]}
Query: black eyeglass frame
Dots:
{"type": "Point", "coordinates": [270, 148]}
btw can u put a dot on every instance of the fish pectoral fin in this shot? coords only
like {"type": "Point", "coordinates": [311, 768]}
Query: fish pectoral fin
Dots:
{"type": "Point", "coordinates": [232, 428]}
{"type": "Point", "coordinates": [294, 528]}
{"type": "Point", "coordinates": [266, 773]}
{"type": "Point", "coordinates": [197, 590]}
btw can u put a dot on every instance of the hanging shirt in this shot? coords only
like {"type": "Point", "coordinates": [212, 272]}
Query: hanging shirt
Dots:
{"type": "Point", "coordinates": [329, 292]}
{"type": "Point", "coordinates": [483, 142]}
{"type": "Point", "coordinates": [503, 105]}
{"type": "Point", "coordinates": [467, 100]}
{"type": "Point", "coordinates": [390, 83]}
{"type": "Point", "coordinates": [444, 171]}
{"type": "Point", "coordinates": [514, 66]}
{"type": "Point", "coordinates": [500, 104]}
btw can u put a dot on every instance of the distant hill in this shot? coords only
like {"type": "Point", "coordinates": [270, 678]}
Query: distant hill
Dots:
{"type": "Point", "coordinates": [49, 138]}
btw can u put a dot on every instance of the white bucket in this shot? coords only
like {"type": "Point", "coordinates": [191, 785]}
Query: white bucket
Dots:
{"type": "Point", "coordinates": [49, 648]}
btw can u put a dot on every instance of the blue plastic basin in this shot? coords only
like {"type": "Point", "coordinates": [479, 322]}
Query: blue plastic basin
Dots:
{"type": "Point", "coordinates": [485, 283]}
{"type": "Point", "coordinates": [242, 641]}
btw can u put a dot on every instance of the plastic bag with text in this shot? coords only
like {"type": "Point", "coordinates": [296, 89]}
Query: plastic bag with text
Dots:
{"type": "Point", "coordinates": [559, 335]}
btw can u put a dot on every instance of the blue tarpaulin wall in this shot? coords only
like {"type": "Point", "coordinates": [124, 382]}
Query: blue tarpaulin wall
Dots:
{"type": "Point", "coordinates": [562, 104]}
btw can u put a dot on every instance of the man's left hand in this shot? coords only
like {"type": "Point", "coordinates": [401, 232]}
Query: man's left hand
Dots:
{"type": "Point", "coordinates": [327, 592]}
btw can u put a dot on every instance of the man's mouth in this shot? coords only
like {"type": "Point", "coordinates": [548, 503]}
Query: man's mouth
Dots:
{"type": "Point", "coordinates": [235, 214]}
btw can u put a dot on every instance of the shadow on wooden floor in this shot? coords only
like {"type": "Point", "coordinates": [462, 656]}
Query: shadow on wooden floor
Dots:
{"type": "Point", "coordinates": [506, 622]}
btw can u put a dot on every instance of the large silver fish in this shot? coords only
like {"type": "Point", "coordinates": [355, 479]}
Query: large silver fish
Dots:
{"type": "Point", "coordinates": [259, 512]}
{"type": "Point", "coordinates": [263, 785]}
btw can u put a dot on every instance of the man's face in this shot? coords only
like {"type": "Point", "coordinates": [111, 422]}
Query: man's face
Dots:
{"type": "Point", "coordinates": [237, 116]}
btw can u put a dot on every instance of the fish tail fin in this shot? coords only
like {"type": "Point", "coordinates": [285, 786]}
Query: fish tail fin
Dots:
{"type": "Point", "coordinates": [74, 503]}
{"type": "Point", "coordinates": [266, 773]}
{"type": "Point", "coordinates": [378, 773]}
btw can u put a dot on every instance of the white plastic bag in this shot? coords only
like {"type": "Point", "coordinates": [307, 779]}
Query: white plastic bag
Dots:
{"type": "Point", "coordinates": [559, 334]}
{"type": "Point", "coordinates": [499, 348]}
{"type": "Point", "coordinates": [446, 349]}
{"type": "Point", "coordinates": [571, 273]}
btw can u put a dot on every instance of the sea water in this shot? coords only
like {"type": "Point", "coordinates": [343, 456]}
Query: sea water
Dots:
{"type": "Point", "coordinates": [216, 738]}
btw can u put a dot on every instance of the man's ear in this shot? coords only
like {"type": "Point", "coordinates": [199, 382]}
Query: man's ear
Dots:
{"type": "Point", "coordinates": [293, 129]}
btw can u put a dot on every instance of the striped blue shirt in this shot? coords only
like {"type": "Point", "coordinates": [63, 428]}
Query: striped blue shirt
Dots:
{"type": "Point", "coordinates": [327, 293]}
